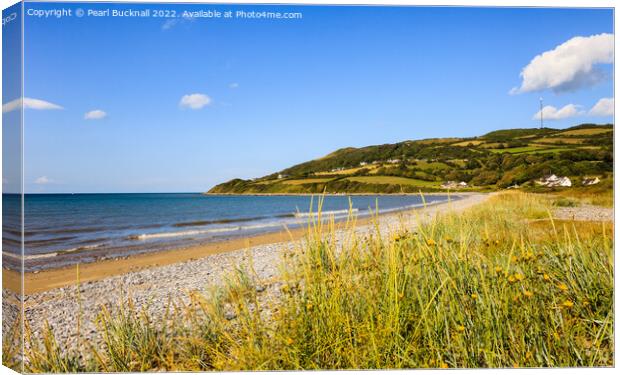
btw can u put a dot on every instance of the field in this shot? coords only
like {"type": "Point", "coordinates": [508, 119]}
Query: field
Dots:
{"type": "Point", "coordinates": [467, 143]}
{"type": "Point", "coordinates": [564, 140]}
{"type": "Point", "coordinates": [431, 141]}
{"type": "Point", "coordinates": [586, 132]}
{"type": "Point", "coordinates": [552, 150]}
{"type": "Point", "coordinates": [390, 180]}
{"type": "Point", "coordinates": [345, 172]}
{"type": "Point", "coordinates": [307, 181]}
{"type": "Point", "coordinates": [533, 149]}
{"type": "Point", "coordinates": [517, 150]}
{"type": "Point", "coordinates": [500, 285]}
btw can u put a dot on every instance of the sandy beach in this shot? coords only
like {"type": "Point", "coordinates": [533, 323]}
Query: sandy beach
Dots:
{"type": "Point", "coordinates": [153, 280]}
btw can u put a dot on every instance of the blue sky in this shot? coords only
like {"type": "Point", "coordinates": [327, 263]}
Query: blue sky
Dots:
{"type": "Point", "coordinates": [273, 93]}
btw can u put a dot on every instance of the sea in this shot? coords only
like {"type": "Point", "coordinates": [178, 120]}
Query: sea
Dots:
{"type": "Point", "coordinates": [64, 229]}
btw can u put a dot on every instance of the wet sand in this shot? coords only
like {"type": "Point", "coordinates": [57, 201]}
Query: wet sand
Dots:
{"type": "Point", "coordinates": [60, 277]}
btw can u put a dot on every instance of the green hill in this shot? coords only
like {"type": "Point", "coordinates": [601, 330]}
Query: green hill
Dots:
{"type": "Point", "coordinates": [495, 160]}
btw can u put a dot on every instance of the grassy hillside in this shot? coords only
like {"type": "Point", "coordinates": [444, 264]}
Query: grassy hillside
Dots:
{"type": "Point", "coordinates": [495, 160]}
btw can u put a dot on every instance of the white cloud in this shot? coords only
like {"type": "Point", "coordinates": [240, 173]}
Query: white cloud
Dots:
{"type": "Point", "coordinates": [569, 66]}
{"type": "Point", "coordinates": [552, 113]}
{"type": "Point", "coordinates": [39, 104]}
{"type": "Point", "coordinates": [234, 85]}
{"type": "Point", "coordinates": [29, 103]}
{"type": "Point", "coordinates": [195, 101]}
{"type": "Point", "coordinates": [604, 107]}
{"type": "Point", "coordinates": [43, 180]}
{"type": "Point", "coordinates": [96, 114]}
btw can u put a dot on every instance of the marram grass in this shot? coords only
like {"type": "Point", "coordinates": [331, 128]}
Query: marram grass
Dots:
{"type": "Point", "coordinates": [499, 285]}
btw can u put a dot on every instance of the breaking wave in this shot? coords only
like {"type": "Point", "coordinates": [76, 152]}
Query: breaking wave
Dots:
{"type": "Point", "coordinates": [198, 232]}
{"type": "Point", "coordinates": [326, 213]}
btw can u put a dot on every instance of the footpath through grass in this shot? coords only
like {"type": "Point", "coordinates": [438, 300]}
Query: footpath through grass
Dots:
{"type": "Point", "coordinates": [500, 285]}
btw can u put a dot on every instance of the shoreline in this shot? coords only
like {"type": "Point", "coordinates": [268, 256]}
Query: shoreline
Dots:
{"type": "Point", "coordinates": [44, 280]}
{"type": "Point", "coordinates": [49, 279]}
{"type": "Point", "coordinates": [446, 192]}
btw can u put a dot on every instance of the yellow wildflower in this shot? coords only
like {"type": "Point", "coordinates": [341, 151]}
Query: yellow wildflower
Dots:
{"type": "Point", "coordinates": [460, 328]}
{"type": "Point", "coordinates": [546, 277]}
{"type": "Point", "coordinates": [430, 242]}
{"type": "Point", "coordinates": [562, 287]}
{"type": "Point", "coordinates": [568, 304]}
{"type": "Point", "coordinates": [528, 256]}
{"type": "Point", "coordinates": [498, 269]}
{"type": "Point", "coordinates": [527, 293]}
{"type": "Point", "coordinates": [289, 341]}
{"type": "Point", "coordinates": [443, 365]}
{"type": "Point", "coordinates": [474, 296]}
{"type": "Point", "coordinates": [519, 276]}
{"type": "Point", "coordinates": [511, 279]}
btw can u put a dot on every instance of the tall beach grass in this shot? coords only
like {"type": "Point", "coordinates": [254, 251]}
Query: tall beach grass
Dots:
{"type": "Point", "coordinates": [500, 285]}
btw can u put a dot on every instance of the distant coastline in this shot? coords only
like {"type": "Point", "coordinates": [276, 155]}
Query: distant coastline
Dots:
{"type": "Point", "coordinates": [447, 192]}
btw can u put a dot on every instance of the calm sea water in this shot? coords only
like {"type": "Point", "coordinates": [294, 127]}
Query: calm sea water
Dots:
{"type": "Point", "coordinates": [63, 229]}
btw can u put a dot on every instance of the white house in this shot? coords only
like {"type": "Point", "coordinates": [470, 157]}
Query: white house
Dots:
{"type": "Point", "coordinates": [454, 185]}
{"type": "Point", "coordinates": [553, 181]}
{"type": "Point", "coordinates": [448, 185]}
{"type": "Point", "coordinates": [588, 181]}
{"type": "Point", "coordinates": [565, 181]}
